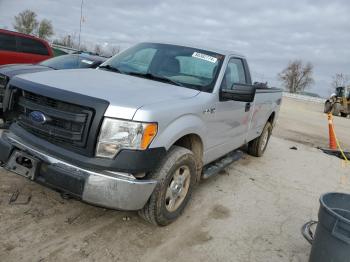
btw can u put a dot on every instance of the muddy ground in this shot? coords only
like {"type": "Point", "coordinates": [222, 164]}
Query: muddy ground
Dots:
{"type": "Point", "coordinates": [252, 211]}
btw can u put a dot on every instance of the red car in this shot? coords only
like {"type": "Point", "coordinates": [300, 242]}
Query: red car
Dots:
{"type": "Point", "coordinates": [18, 48]}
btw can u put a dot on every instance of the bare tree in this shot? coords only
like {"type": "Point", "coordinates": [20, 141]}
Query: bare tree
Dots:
{"type": "Point", "coordinates": [67, 40]}
{"type": "Point", "coordinates": [26, 22]}
{"type": "Point", "coordinates": [98, 49]}
{"type": "Point", "coordinates": [64, 41]}
{"type": "Point", "coordinates": [71, 41]}
{"type": "Point", "coordinates": [297, 77]}
{"type": "Point", "coordinates": [340, 79]}
{"type": "Point", "coordinates": [83, 48]}
{"type": "Point", "coordinates": [45, 29]}
{"type": "Point", "coordinates": [114, 50]}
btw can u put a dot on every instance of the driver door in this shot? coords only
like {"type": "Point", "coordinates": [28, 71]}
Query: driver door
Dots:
{"type": "Point", "coordinates": [230, 122]}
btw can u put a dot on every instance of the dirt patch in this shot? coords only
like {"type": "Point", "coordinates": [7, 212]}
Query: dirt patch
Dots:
{"type": "Point", "coordinates": [219, 212]}
{"type": "Point", "coordinates": [199, 238]}
{"type": "Point", "coordinates": [302, 138]}
{"type": "Point", "coordinates": [245, 160]}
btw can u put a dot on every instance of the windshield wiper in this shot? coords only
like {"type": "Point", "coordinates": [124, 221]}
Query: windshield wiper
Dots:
{"type": "Point", "coordinates": [111, 68]}
{"type": "Point", "coordinates": [156, 78]}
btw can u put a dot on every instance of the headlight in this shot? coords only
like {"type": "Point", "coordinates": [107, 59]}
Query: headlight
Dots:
{"type": "Point", "coordinates": [118, 134]}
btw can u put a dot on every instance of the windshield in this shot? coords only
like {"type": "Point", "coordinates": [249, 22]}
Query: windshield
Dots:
{"type": "Point", "coordinates": [184, 66]}
{"type": "Point", "coordinates": [68, 62]}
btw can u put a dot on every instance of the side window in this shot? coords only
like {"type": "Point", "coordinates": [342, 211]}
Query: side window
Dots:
{"type": "Point", "coordinates": [32, 46]}
{"type": "Point", "coordinates": [234, 74]}
{"type": "Point", "coordinates": [7, 42]}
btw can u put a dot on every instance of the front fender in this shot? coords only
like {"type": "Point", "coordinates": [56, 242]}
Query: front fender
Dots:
{"type": "Point", "coordinates": [184, 125]}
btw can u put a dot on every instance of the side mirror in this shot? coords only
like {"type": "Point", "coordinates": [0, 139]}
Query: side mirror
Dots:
{"type": "Point", "coordinates": [243, 93]}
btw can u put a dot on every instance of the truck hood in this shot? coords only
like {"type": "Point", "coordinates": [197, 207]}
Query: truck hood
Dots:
{"type": "Point", "coordinates": [124, 93]}
{"type": "Point", "coordinates": [17, 69]}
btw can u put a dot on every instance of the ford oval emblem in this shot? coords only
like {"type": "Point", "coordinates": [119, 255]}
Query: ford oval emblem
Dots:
{"type": "Point", "coordinates": [38, 117]}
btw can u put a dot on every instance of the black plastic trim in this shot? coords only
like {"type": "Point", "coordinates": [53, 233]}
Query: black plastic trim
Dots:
{"type": "Point", "coordinates": [5, 150]}
{"type": "Point", "coordinates": [99, 106]}
{"type": "Point", "coordinates": [51, 176]}
{"type": "Point", "coordinates": [247, 72]}
{"type": "Point", "coordinates": [80, 118]}
{"type": "Point", "coordinates": [57, 178]}
{"type": "Point", "coordinates": [57, 132]}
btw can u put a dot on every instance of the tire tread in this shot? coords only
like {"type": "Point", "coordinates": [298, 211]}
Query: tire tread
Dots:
{"type": "Point", "coordinates": [254, 145]}
{"type": "Point", "coordinates": [150, 212]}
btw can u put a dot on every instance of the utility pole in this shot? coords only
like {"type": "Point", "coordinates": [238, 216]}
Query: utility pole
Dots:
{"type": "Point", "coordinates": [81, 20]}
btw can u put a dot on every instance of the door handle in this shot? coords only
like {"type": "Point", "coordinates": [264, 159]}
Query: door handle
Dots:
{"type": "Point", "coordinates": [247, 107]}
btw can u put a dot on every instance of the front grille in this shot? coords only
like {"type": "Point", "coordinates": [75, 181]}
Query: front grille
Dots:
{"type": "Point", "coordinates": [2, 94]}
{"type": "Point", "coordinates": [66, 124]}
{"type": "Point", "coordinates": [3, 82]}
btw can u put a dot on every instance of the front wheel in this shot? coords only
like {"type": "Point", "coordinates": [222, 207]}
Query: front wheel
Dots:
{"type": "Point", "coordinates": [327, 107]}
{"type": "Point", "coordinates": [343, 114]}
{"type": "Point", "coordinates": [176, 177]}
{"type": "Point", "coordinates": [258, 146]}
{"type": "Point", "coordinates": [336, 109]}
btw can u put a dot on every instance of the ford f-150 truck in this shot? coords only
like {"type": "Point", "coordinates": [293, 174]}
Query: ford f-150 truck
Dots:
{"type": "Point", "coordinates": [139, 132]}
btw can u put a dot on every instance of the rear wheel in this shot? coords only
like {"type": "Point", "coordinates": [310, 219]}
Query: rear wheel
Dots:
{"type": "Point", "coordinates": [258, 146]}
{"type": "Point", "coordinates": [176, 177]}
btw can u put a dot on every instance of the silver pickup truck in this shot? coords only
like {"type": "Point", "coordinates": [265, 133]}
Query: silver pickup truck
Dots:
{"type": "Point", "coordinates": [139, 132]}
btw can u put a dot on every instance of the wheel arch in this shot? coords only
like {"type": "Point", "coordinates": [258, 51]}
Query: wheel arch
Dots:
{"type": "Point", "coordinates": [188, 131]}
{"type": "Point", "coordinates": [194, 143]}
{"type": "Point", "coordinates": [272, 118]}
{"type": "Point", "coordinates": [183, 126]}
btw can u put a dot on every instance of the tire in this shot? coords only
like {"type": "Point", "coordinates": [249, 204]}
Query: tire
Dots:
{"type": "Point", "coordinates": [343, 114]}
{"type": "Point", "coordinates": [336, 109]}
{"type": "Point", "coordinates": [327, 107]}
{"type": "Point", "coordinates": [258, 146]}
{"type": "Point", "coordinates": [160, 209]}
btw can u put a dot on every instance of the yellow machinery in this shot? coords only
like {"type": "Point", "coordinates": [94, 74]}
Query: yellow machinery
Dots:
{"type": "Point", "coordinates": [339, 103]}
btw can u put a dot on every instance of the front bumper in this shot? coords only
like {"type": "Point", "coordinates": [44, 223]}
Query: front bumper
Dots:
{"type": "Point", "coordinates": [109, 189]}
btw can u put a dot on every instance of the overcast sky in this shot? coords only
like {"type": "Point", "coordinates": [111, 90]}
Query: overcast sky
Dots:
{"type": "Point", "coordinates": [269, 32]}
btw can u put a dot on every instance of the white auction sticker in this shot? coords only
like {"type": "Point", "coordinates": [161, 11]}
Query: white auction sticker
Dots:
{"type": "Point", "coordinates": [86, 61]}
{"type": "Point", "coordinates": [205, 57]}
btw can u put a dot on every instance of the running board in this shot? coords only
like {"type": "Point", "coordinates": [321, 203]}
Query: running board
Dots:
{"type": "Point", "coordinates": [215, 167]}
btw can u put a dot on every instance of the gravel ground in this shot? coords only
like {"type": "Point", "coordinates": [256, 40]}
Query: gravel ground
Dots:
{"type": "Point", "coordinates": [252, 211]}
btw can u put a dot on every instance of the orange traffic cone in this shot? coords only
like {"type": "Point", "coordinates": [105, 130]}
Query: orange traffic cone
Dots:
{"type": "Point", "coordinates": [333, 144]}
{"type": "Point", "coordinates": [332, 141]}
